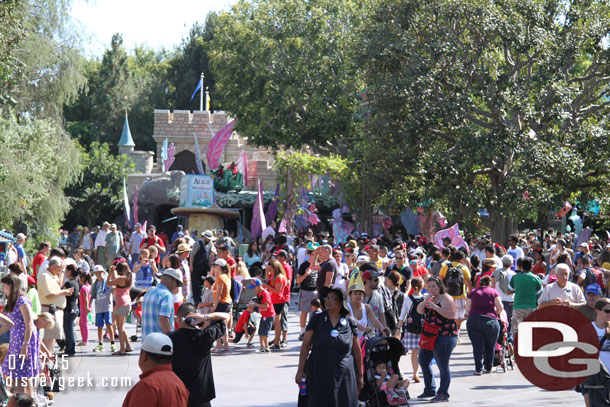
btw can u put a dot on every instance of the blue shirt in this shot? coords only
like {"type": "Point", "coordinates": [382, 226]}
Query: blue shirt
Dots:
{"type": "Point", "coordinates": [21, 254]}
{"type": "Point", "coordinates": [158, 301]}
{"type": "Point", "coordinates": [144, 277]}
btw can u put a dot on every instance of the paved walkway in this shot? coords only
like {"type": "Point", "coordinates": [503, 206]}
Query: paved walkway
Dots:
{"type": "Point", "coordinates": [245, 378]}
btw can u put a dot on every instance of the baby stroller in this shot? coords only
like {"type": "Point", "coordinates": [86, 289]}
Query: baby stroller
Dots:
{"type": "Point", "coordinates": [376, 350]}
{"type": "Point", "coordinates": [137, 296]}
{"type": "Point", "coordinates": [503, 355]}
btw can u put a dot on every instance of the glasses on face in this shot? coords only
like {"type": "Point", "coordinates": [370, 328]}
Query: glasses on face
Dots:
{"type": "Point", "coordinates": [400, 258]}
{"type": "Point", "coordinates": [607, 311]}
{"type": "Point", "coordinates": [375, 280]}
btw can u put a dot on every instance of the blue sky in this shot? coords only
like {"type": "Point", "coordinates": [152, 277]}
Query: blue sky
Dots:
{"type": "Point", "coordinates": [156, 23]}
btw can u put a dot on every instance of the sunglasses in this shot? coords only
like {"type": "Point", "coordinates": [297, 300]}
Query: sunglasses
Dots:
{"type": "Point", "coordinates": [607, 311]}
{"type": "Point", "coordinates": [400, 258]}
{"type": "Point", "coordinates": [375, 280]}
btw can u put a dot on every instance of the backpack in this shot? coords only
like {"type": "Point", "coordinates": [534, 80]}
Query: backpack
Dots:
{"type": "Point", "coordinates": [503, 281]}
{"type": "Point", "coordinates": [414, 318]}
{"type": "Point", "coordinates": [201, 262]}
{"type": "Point", "coordinates": [593, 276]}
{"type": "Point", "coordinates": [454, 280]}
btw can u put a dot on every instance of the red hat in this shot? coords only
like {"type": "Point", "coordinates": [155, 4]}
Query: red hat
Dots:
{"type": "Point", "coordinates": [31, 280]}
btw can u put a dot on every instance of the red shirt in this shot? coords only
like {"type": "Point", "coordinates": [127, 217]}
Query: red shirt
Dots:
{"type": "Point", "coordinates": [150, 241]}
{"type": "Point", "coordinates": [264, 297]}
{"type": "Point", "coordinates": [158, 387]}
{"type": "Point", "coordinates": [278, 298]}
{"type": "Point", "coordinates": [37, 262]}
{"type": "Point", "coordinates": [419, 272]}
{"type": "Point", "coordinates": [286, 290]}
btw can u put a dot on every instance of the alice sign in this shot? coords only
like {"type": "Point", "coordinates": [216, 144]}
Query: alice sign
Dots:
{"type": "Point", "coordinates": [197, 191]}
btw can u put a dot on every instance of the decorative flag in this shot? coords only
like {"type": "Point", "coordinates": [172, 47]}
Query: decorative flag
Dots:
{"type": "Point", "coordinates": [135, 206]}
{"type": "Point", "coordinates": [167, 163]}
{"type": "Point", "coordinates": [126, 201]}
{"type": "Point", "coordinates": [271, 213]}
{"type": "Point", "coordinates": [454, 233]}
{"type": "Point", "coordinates": [442, 220]}
{"type": "Point", "coordinates": [198, 156]}
{"type": "Point", "coordinates": [197, 89]}
{"type": "Point", "coordinates": [283, 228]}
{"type": "Point", "coordinates": [258, 217]}
{"type": "Point", "coordinates": [242, 165]}
{"type": "Point", "coordinates": [564, 211]}
{"type": "Point", "coordinates": [218, 143]}
{"type": "Point", "coordinates": [207, 100]}
{"type": "Point", "coordinates": [163, 154]}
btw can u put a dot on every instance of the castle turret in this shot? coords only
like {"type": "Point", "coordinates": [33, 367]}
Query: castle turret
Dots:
{"type": "Point", "coordinates": [126, 143]}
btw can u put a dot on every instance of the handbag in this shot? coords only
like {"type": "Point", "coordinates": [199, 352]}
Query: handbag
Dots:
{"type": "Point", "coordinates": [429, 333]}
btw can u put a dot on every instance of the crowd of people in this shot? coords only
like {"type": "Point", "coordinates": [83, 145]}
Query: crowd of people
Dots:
{"type": "Point", "coordinates": [188, 286]}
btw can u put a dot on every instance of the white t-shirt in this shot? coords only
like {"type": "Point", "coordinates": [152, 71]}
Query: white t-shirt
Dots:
{"type": "Point", "coordinates": [406, 306]}
{"type": "Point", "coordinates": [268, 232]}
{"type": "Point", "coordinates": [604, 354]}
{"type": "Point", "coordinates": [517, 253]}
{"type": "Point", "coordinates": [570, 292]}
{"type": "Point", "coordinates": [301, 256]}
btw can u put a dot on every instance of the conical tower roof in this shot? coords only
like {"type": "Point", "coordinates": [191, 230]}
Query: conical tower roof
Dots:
{"type": "Point", "coordinates": [126, 140]}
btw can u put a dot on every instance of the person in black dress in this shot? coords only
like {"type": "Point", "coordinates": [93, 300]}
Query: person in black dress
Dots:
{"type": "Point", "coordinates": [330, 360]}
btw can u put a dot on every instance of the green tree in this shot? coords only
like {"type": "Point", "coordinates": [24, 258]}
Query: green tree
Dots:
{"type": "Point", "coordinates": [496, 104]}
{"type": "Point", "coordinates": [294, 168]}
{"type": "Point", "coordinates": [286, 70]}
{"type": "Point", "coordinates": [38, 161]}
{"type": "Point", "coordinates": [98, 195]}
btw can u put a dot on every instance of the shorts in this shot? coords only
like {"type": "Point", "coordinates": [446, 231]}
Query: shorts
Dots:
{"type": "Point", "coordinates": [305, 298]}
{"type": "Point", "coordinates": [264, 326]}
{"type": "Point", "coordinates": [122, 310]}
{"type": "Point", "coordinates": [251, 329]}
{"type": "Point", "coordinates": [460, 307]}
{"type": "Point", "coordinates": [103, 317]}
{"type": "Point", "coordinates": [57, 332]}
{"type": "Point", "coordinates": [278, 308]}
{"type": "Point", "coordinates": [224, 307]}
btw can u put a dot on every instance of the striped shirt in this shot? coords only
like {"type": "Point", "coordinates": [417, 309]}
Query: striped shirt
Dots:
{"type": "Point", "coordinates": [158, 301]}
{"type": "Point", "coordinates": [136, 240]}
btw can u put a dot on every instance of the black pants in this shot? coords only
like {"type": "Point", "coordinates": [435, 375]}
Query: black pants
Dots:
{"type": "Point", "coordinates": [196, 277]}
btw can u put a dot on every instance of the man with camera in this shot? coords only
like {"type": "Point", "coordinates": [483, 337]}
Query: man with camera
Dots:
{"type": "Point", "coordinates": [192, 342]}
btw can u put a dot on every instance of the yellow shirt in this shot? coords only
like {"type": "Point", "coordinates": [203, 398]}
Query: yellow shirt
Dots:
{"type": "Point", "coordinates": [49, 284]}
{"type": "Point", "coordinates": [356, 278]}
{"type": "Point", "coordinates": [466, 273]}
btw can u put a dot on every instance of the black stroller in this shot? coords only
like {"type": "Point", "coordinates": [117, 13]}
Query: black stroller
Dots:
{"type": "Point", "coordinates": [376, 350]}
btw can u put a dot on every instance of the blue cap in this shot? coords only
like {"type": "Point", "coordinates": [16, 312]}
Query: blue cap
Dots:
{"type": "Point", "coordinates": [255, 282]}
{"type": "Point", "coordinates": [594, 289]}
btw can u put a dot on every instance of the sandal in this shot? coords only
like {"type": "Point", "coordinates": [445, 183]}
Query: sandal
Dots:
{"type": "Point", "coordinates": [416, 379]}
{"type": "Point", "coordinates": [119, 353]}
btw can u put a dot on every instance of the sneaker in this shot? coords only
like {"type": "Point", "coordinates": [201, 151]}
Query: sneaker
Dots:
{"type": "Point", "coordinates": [426, 395]}
{"type": "Point", "coordinates": [283, 344]}
{"type": "Point", "coordinates": [113, 347]}
{"type": "Point", "coordinates": [439, 398]}
{"type": "Point", "coordinates": [275, 347]}
{"type": "Point", "coordinates": [250, 344]}
{"type": "Point", "coordinates": [99, 348]}
{"type": "Point", "coordinates": [268, 350]}
{"type": "Point", "coordinates": [261, 350]}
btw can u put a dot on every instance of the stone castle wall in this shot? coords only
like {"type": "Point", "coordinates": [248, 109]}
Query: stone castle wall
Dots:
{"type": "Point", "coordinates": [179, 126]}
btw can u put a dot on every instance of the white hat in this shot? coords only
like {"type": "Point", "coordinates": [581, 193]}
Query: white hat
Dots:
{"type": "Point", "coordinates": [158, 343]}
{"type": "Point", "coordinates": [362, 259]}
{"type": "Point", "coordinates": [173, 273]}
{"type": "Point", "coordinates": [208, 234]}
{"type": "Point", "coordinates": [99, 267]}
{"type": "Point", "coordinates": [20, 236]}
{"type": "Point", "coordinates": [220, 262]}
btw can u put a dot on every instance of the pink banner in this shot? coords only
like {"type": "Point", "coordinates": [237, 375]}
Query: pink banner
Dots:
{"type": "Point", "coordinates": [218, 144]}
{"type": "Point", "coordinates": [242, 165]}
{"type": "Point", "coordinates": [258, 217]}
{"type": "Point", "coordinates": [454, 234]}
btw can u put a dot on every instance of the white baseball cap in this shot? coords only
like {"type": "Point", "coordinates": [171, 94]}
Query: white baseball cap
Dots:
{"type": "Point", "coordinates": [221, 262]}
{"type": "Point", "coordinates": [99, 267]}
{"type": "Point", "coordinates": [158, 343]}
{"type": "Point", "coordinates": [173, 273]}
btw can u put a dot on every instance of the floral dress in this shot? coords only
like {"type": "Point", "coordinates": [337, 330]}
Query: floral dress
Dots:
{"type": "Point", "coordinates": [13, 365]}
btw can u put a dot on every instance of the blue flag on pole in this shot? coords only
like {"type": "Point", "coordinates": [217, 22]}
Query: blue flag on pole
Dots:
{"type": "Point", "coordinates": [199, 85]}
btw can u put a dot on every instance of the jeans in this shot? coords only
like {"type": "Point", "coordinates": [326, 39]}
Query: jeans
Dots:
{"type": "Point", "coordinates": [442, 353]}
{"type": "Point", "coordinates": [69, 318]}
{"type": "Point", "coordinates": [483, 333]}
{"type": "Point", "coordinates": [508, 307]}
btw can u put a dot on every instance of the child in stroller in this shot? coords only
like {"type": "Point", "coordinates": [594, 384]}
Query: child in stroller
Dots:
{"type": "Point", "coordinates": [383, 386]}
{"type": "Point", "coordinates": [390, 382]}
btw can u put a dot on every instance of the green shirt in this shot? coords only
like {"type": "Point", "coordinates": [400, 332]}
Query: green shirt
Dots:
{"type": "Point", "coordinates": [527, 288]}
{"type": "Point", "coordinates": [35, 300]}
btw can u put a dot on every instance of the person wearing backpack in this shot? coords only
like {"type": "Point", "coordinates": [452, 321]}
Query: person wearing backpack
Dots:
{"type": "Point", "coordinates": [200, 263]}
{"type": "Point", "coordinates": [500, 279]}
{"type": "Point", "coordinates": [411, 321]}
{"type": "Point", "coordinates": [589, 275]}
{"type": "Point", "coordinates": [456, 277]}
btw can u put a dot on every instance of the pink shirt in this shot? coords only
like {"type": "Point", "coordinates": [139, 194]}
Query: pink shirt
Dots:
{"type": "Point", "coordinates": [84, 293]}
{"type": "Point", "coordinates": [122, 296]}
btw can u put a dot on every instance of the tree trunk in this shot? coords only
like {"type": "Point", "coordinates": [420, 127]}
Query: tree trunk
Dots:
{"type": "Point", "coordinates": [502, 227]}
{"type": "Point", "coordinates": [290, 211]}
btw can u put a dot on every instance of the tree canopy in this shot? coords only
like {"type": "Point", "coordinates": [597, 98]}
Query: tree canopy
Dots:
{"type": "Point", "coordinates": [495, 104]}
